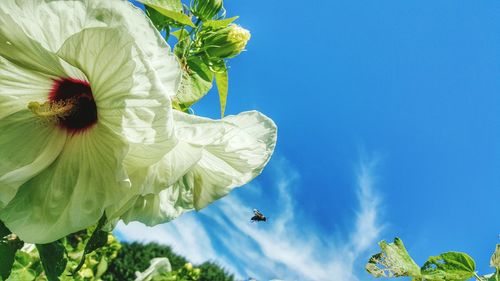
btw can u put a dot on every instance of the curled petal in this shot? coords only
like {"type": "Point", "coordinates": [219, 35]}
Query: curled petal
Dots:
{"type": "Point", "coordinates": [153, 209]}
{"type": "Point", "coordinates": [234, 159]}
{"type": "Point", "coordinates": [234, 151]}
{"type": "Point", "coordinates": [152, 180]}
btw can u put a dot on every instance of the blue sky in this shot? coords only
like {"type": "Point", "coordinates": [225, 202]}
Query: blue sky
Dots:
{"type": "Point", "coordinates": [389, 125]}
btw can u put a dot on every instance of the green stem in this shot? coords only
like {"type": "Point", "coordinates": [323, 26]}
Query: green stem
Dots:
{"type": "Point", "coordinates": [182, 33]}
{"type": "Point", "coordinates": [197, 24]}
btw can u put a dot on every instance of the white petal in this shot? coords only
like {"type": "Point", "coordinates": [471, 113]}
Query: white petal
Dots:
{"type": "Point", "coordinates": [148, 39]}
{"type": "Point", "coordinates": [157, 267]}
{"type": "Point", "coordinates": [52, 22]}
{"type": "Point", "coordinates": [256, 124]}
{"type": "Point", "coordinates": [171, 167]}
{"type": "Point", "coordinates": [73, 192]}
{"type": "Point", "coordinates": [234, 151]}
{"type": "Point", "coordinates": [153, 209]}
{"type": "Point", "coordinates": [232, 160]}
{"type": "Point", "coordinates": [17, 47]}
{"type": "Point", "coordinates": [129, 97]}
{"type": "Point", "coordinates": [155, 178]}
{"type": "Point", "coordinates": [19, 86]}
{"type": "Point", "coordinates": [27, 147]}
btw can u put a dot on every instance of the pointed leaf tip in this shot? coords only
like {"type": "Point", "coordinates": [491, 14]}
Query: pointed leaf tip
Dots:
{"type": "Point", "coordinates": [53, 259]}
{"type": "Point", "coordinates": [171, 9]}
{"type": "Point", "coordinates": [222, 81]}
{"type": "Point", "coordinates": [9, 244]}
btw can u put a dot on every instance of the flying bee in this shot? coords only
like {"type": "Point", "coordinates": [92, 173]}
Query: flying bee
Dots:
{"type": "Point", "coordinates": [258, 216]}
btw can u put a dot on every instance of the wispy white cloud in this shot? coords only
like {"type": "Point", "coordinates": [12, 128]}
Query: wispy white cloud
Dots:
{"type": "Point", "coordinates": [186, 236]}
{"type": "Point", "coordinates": [286, 247]}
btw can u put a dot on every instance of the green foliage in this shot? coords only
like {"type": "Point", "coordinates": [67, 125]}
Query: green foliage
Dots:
{"type": "Point", "coordinates": [26, 267]}
{"type": "Point", "coordinates": [394, 261]}
{"type": "Point", "coordinates": [215, 24]}
{"type": "Point", "coordinates": [185, 273]}
{"type": "Point", "coordinates": [136, 257]}
{"type": "Point", "coordinates": [53, 259]}
{"type": "Point", "coordinates": [9, 244]}
{"type": "Point", "coordinates": [161, 270]}
{"type": "Point", "coordinates": [171, 9]}
{"type": "Point", "coordinates": [202, 48]}
{"type": "Point", "coordinates": [222, 80]}
{"type": "Point", "coordinates": [97, 239]}
{"type": "Point", "coordinates": [61, 258]}
{"type": "Point", "coordinates": [196, 81]}
{"type": "Point", "coordinates": [211, 271]}
{"type": "Point", "coordinates": [206, 9]}
{"type": "Point", "coordinates": [449, 266]}
{"type": "Point", "coordinates": [100, 259]}
{"type": "Point", "coordinates": [95, 263]}
{"type": "Point", "coordinates": [94, 255]}
{"type": "Point", "coordinates": [160, 22]}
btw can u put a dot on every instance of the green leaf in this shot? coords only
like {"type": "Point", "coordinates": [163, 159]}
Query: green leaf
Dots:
{"type": "Point", "coordinates": [53, 259]}
{"type": "Point", "coordinates": [449, 266]}
{"type": "Point", "coordinates": [183, 42]}
{"type": "Point", "coordinates": [180, 34]}
{"type": "Point", "coordinates": [171, 9]}
{"type": "Point", "coordinates": [7, 254]}
{"type": "Point", "coordinates": [23, 268]}
{"type": "Point", "coordinates": [160, 21]}
{"type": "Point", "coordinates": [219, 23]}
{"type": "Point", "coordinates": [172, 5]}
{"type": "Point", "coordinates": [4, 231]}
{"type": "Point", "coordinates": [222, 80]}
{"type": "Point", "coordinates": [9, 244]}
{"type": "Point", "coordinates": [98, 239]}
{"type": "Point", "coordinates": [196, 81]}
{"type": "Point", "coordinates": [393, 261]}
{"type": "Point", "coordinates": [102, 267]}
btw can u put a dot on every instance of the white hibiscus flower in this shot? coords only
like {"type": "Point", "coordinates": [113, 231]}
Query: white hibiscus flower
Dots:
{"type": "Point", "coordinates": [88, 127]}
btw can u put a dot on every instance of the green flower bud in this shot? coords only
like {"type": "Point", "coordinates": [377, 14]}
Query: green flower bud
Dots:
{"type": "Point", "coordinates": [206, 9]}
{"type": "Point", "coordinates": [226, 42]}
{"type": "Point", "coordinates": [188, 266]}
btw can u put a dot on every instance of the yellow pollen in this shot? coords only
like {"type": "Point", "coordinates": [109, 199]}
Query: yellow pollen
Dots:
{"type": "Point", "coordinates": [52, 112]}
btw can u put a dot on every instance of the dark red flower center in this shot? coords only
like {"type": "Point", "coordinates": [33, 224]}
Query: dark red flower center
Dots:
{"type": "Point", "coordinates": [84, 112]}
